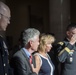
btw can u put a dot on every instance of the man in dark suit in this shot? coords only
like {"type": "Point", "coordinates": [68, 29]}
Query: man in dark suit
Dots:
{"type": "Point", "coordinates": [4, 21]}
{"type": "Point", "coordinates": [20, 61]}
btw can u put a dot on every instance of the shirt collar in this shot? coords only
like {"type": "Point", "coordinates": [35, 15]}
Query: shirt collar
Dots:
{"type": "Point", "coordinates": [27, 52]}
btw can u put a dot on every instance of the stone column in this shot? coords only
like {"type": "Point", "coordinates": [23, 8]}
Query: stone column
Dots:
{"type": "Point", "coordinates": [59, 17]}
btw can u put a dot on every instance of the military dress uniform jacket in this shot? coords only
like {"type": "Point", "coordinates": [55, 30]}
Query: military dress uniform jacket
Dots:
{"type": "Point", "coordinates": [4, 66]}
{"type": "Point", "coordinates": [66, 57]}
{"type": "Point", "coordinates": [20, 64]}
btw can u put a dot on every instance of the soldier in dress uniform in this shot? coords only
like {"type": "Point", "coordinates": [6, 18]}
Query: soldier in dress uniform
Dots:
{"type": "Point", "coordinates": [4, 21]}
{"type": "Point", "coordinates": [67, 51]}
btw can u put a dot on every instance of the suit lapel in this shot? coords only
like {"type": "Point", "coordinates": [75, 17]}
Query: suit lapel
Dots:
{"type": "Point", "coordinates": [27, 59]}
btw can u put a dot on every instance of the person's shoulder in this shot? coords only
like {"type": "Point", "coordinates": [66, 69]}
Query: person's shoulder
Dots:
{"type": "Point", "coordinates": [60, 43]}
{"type": "Point", "coordinates": [36, 54]}
{"type": "Point", "coordinates": [18, 53]}
{"type": "Point", "coordinates": [38, 58]}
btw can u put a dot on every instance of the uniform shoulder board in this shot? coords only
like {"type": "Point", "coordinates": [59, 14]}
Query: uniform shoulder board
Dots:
{"type": "Point", "coordinates": [61, 43]}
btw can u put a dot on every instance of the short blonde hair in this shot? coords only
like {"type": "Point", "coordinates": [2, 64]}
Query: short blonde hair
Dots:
{"type": "Point", "coordinates": [45, 39]}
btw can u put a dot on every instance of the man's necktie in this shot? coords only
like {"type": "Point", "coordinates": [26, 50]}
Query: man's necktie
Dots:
{"type": "Point", "coordinates": [30, 59]}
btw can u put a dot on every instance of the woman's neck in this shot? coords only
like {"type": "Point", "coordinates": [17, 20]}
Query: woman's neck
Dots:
{"type": "Point", "coordinates": [43, 53]}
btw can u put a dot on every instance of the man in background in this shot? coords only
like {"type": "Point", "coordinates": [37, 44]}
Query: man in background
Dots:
{"type": "Point", "coordinates": [67, 51]}
{"type": "Point", "coordinates": [4, 21]}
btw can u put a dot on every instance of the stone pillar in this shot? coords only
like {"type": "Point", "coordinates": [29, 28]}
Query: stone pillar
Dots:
{"type": "Point", "coordinates": [59, 17]}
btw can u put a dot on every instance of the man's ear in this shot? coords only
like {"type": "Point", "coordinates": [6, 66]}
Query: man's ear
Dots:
{"type": "Point", "coordinates": [67, 32]}
{"type": "Point", "coordinates": [30, 42]}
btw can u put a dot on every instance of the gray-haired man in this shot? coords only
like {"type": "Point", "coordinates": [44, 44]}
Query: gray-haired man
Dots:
{"type": "Point", "coordinates": [21, 64]}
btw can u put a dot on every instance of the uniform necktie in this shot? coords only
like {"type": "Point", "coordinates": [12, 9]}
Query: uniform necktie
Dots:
{"type": "Point", "coordinates": [30, 59]}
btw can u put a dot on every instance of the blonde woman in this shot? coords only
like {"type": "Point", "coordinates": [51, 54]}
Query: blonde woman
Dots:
{"type": "Point", "coordinates": [44, 65]}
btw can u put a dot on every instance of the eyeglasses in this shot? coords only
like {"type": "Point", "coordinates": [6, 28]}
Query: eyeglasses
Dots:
{"type": "Point", "coordinates": [5, 16]}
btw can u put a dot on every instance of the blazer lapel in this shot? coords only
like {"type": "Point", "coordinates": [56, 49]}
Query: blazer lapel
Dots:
{"type": "Point", "coordinates": [27, 59]}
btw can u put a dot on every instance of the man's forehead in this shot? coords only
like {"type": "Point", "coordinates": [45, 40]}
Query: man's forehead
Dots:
{"type": "Point", "coordinates": [73, 30]}
{"type": "Point", "coordinates": [4, 9]}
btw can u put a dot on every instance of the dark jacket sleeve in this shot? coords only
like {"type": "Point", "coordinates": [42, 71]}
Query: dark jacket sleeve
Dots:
{"type": "Point", "coordinates": [63, 52]}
